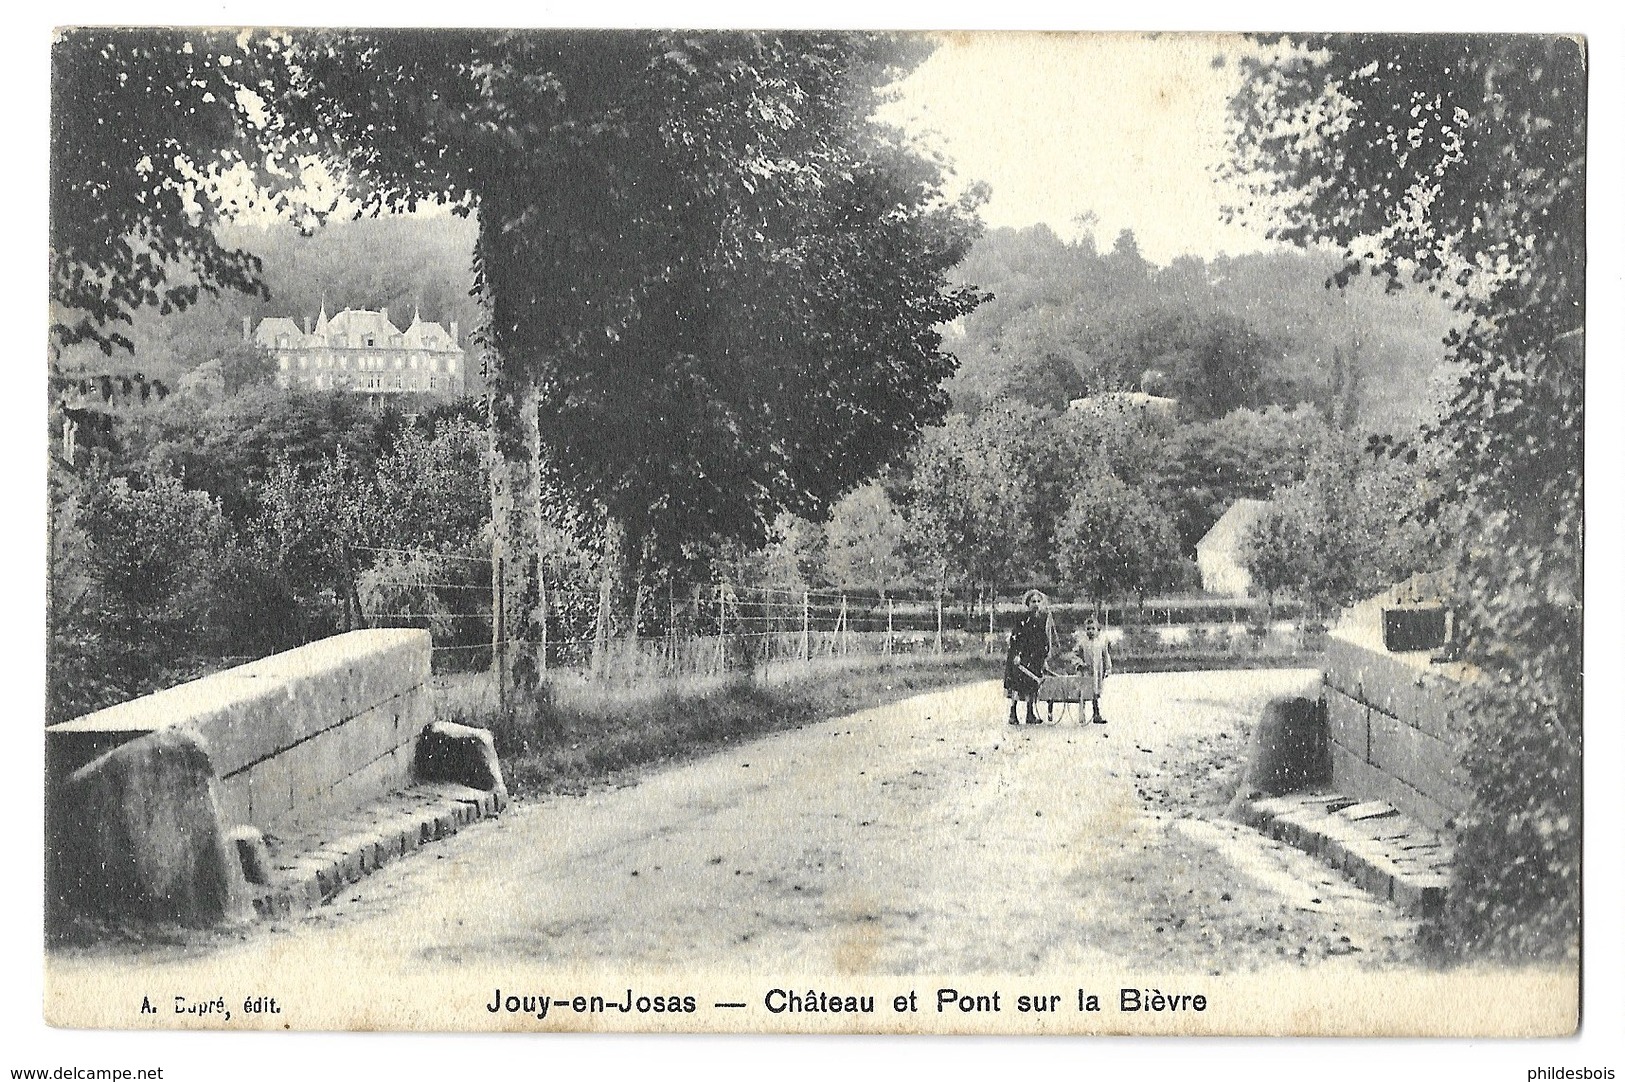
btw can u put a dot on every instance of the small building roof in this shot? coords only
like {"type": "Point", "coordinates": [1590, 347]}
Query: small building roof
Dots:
{"type": "Point", "coordinates": [1227, 533]}
{"type": "Point", "coordinates": [1122, 400]}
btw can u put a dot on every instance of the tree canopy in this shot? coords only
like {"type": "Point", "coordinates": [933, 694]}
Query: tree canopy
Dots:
{"type": "Point", "coordinates": [151, 130]}
{"type": "Point", "coordinates": [718, 276]}
{"type": "Point", "coordinates": [709, 282]}
{"type": "Point", "coordinates": [1457, 163]}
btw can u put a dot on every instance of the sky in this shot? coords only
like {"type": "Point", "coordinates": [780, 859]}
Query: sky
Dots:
{"type": "Point", "coordinates": [1129, 127]}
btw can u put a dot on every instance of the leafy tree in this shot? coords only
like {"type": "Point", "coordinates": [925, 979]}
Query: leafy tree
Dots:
{"type": "Point", "coordinates": [864, 540]}
{"type": "Point", "coordinates": [137, 576]}
{"type": "Point", "coordinates": [1280, 550]}
{"type": "Point", "coordinates": [971, 501]}
{"type": "Point", "coordinates": [1116, 541]}
{"type": "Point", "coordinates": [148, 128]}
{"type": "Point", "coordinates": [230, 446]}
{"type": "Point", "coordinates": [1247, 454]}
{"type": "Point", "coordinates": [319, 520]}
{"type": "Point", "coordinates": [711, 284]}
{"type": "Point", "coordinates": [1458, 164]}
{"type": "Point", "coordinates": [427, 488]}
{"type": "Point", "coordinates": [1349, 529]}
{"type": "Point", "coordinates": [1215, 363]}
{"type": "Point", "coordinates": [795, 557]}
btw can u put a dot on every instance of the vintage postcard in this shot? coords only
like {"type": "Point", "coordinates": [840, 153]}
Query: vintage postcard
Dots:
{"type": "Point", "coordinates": [815, 532]}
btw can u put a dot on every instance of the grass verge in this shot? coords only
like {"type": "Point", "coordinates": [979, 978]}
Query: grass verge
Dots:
{"type": "Point", "coordinates": [570, 735]}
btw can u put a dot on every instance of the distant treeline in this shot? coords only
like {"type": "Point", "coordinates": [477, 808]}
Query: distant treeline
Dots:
{"type": "Point", "coordinates": [1068, 320]}
{"type": "Point", "coordinates": [407, 263]}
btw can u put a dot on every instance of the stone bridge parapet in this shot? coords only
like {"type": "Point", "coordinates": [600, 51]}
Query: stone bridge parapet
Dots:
{"type": "Point", "coordinates": [157, 808]}
{"type": "Point", "coordinates": [1392, 721]}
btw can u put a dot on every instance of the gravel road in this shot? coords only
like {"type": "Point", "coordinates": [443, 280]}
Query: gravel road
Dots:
{"type": "Point", "coordinates": [922, 836]}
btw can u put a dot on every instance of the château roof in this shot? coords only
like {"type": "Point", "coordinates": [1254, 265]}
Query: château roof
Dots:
{"type": "Point", "coordinates": [422, 335]}
{"type": "Point", "coordinates": [355, 322]}
{"type": "Point", "coordinates": [274, 327]}
{"type": "Point", "coordinates": [351, 328]}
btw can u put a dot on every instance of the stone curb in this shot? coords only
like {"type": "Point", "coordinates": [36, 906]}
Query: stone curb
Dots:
{"type": "Point", "coordinates": [309, 869]}
{"type": "Point", "coordinates": [1370, 842]}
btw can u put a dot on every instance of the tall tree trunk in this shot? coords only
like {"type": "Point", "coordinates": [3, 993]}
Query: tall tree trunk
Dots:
{"type": "Point", "coordinates": [501, 489]}
{"type": "Point", "coordinates": [612, 556]}
{"type": "Point", "coordinates": [512, 450]}
{"type": "Point", "coordinates": [640, 572]}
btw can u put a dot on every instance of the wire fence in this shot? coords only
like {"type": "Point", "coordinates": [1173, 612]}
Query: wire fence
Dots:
{"type": "Point", "coordinates": [688, 628]}
{"type": "Point", "coordinates": [681, 627]}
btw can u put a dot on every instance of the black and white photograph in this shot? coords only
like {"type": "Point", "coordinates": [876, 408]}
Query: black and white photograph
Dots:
{"type": "Point", "coordinates": [817, 531]}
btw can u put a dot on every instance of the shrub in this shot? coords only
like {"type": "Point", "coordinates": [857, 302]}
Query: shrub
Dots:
{"type": "Point", "coordinates": [136, 580]}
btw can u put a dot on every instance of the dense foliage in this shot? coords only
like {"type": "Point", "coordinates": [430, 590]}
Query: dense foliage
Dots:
{"type": "Point", "coordinates": [710, 285]}
{"type": "Point", "coordinates": [1110, 507]}
{"type": "Point", "coordinates": [1458, 164]}
{"type": "Point", "coordinates": [1067, 320]}
{"type": "Point", "coordinates": [1349, 528]}
{"type": "Point", "coordinates": [141, 121]}
{"type": "Point", "coordinates": [213, 531]}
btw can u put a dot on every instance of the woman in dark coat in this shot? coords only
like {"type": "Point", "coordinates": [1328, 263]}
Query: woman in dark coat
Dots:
{"type": "Point", "coordinates": [1032, 642]}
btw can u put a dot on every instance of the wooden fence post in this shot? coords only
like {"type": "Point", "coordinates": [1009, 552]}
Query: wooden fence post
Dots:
{"type": "Point", "coordinates": [806, 625]}
{"type": "Point", "coordinates": [671, 628]}
{"type": "Point", "coordinates": [939, 623]}
{"type": "Point", "coordinates": [722, 623]}
{"type": "Point", "coordinates": [888, 626]}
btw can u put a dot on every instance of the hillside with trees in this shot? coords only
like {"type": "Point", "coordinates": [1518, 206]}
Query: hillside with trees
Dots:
{"type": "Point", "coordinates": [679, 351]}
{"type": "Point", "coordinates": [405, 263]}
{"type": "Point", "coordinates": [1066, 320]}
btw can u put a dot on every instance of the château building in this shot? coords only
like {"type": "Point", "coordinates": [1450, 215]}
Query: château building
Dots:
{"type": "Point", "coordinates": [364, 352]}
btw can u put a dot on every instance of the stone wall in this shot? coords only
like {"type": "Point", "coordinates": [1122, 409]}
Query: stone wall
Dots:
{"type": "Point", "coordinates": [291, 738]}
{"type": "Point", "coordinates": [1393, 736]}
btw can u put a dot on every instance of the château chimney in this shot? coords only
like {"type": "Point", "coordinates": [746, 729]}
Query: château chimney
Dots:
{"type": "Point", "coordinates": [246, 337]}
{"type": "Point", "coordinates": [454, 332]}
{"type": "Point", "coordinates": [307, 325]}
{"type": "Point", "coordinates": [386, 314]}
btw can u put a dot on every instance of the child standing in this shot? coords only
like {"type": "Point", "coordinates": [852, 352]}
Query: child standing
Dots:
{"type": "Point", "coordinates": [1097, 660]}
